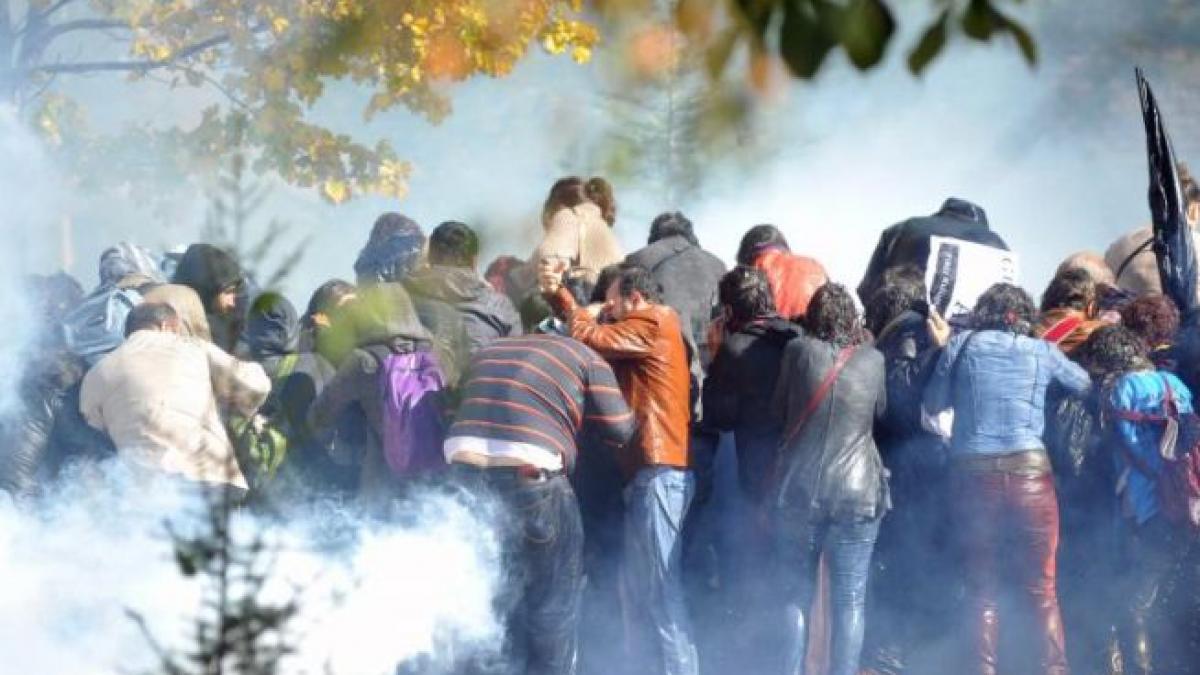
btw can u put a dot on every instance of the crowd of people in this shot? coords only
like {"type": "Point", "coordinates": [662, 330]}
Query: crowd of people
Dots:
{"type": "Point", "coordinates": [978, 493]}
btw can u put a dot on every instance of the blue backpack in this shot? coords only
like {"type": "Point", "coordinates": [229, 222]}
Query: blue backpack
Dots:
{"type": "Point", "coordinates": [97, 325]}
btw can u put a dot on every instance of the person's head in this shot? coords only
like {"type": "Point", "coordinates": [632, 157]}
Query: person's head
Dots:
{"type": "Point", "coordinates": [215, 276]}
{"type": "Point", "coordinates": [1005, 307]}
{"type": "Point", "coordinates": [1113, 350]}
{"type": "Point", "coordinates": [1154, 318]}
{"type": "Point", "coordinates": [391, 224]}
{"type": "Point", "coordinates": [499, 274]}
{"type": "Point", "coordinates": [633, 289]}
{"type": "Point", "coordinates": [569, 192]}
{"type": "Point", "coordinates": [393, 252]}
{"type": "Point", "coordinates": [1072, 289]}
{"type": "Point", "coordinates": [1092, 263]}
{"type": "Point", "coordinates": [453, 244]}
{"type": "Point", "coordinates": [126, 260]}
{"type": "Point", "coordinates": [272, 327]}
{"type": "Point", "coordinates": [745, 295]}
{"type": "Point", "coordinates": [155, 316]}
{"type": "Point", "coordinates": [832, 316]}
{"type": "Point", "coordinates": [902, 289]}
{"type": "Point", "coordinates": [759, 239]}
{"type": "Point", "coordinates": [329, 296]}
{"type": "Point", "coordinates": [603, 281]}
{"type": "Point", "coordinates": [672, 224]}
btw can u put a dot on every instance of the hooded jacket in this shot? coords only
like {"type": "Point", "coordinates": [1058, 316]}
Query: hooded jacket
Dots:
{"type": "Point", "coordinates": [128, 266]}
{"type": "Point", "coordinates": [207, 270]}
{"type": "Point", "coordinates": [385, 322]}
{"type": "Point", "coordinates": [392, 256]}
{"type": "Point", "coordinates": [689, 276]}
{"type": "Point", "coordinates": [580, 237]}
{"type": "Point", "coordinates": [907, 243]}
{"type": "Point", "coordinates": [485, 314]}
{"type": "Point", "coordinates": [831, 466]}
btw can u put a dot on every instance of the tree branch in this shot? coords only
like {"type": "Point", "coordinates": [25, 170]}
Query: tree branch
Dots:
{"type": "Point", "coordinates": [55, 7]}
{"type": "Point", "coordinates": [135, 66]}
{"type": "Point", "coordinates": [53, 32]}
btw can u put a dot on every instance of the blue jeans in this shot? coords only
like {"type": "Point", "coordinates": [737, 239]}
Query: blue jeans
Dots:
{"type": "Point", "coordinates": [847, 546]}
{"type": "Point", "coordinates": [657, 502]}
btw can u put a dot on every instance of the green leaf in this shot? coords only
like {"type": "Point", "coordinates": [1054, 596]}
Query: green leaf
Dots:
{"type": "Point", "coordinates": [979, 21]}
{"type": "Point", "coordinates": [1024, 40]}
{"type": "Point", "coordinates": [867, 27]}
{"type": "Point", "coordinates": [807, 35]}
{"type": "Point", "coordinates": [930, 45]}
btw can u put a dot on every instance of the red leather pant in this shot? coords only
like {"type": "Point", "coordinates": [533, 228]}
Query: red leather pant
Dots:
{"type": "Point", "coordinates": [1010, 520]}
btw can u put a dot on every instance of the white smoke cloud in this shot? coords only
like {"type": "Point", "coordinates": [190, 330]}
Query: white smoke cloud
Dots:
{"type": "Point", "coordinates": [372, 595]}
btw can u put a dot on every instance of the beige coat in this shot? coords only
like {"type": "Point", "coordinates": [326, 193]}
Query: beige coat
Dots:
{"type": "Point", "coordinates": [187, 305]}
{"type": "Point", "coordinates": [159, 397]}
{"type": "Point", "coordinates": [582, 239]}
{"type": "Point", "coordinates": [1140, 276]}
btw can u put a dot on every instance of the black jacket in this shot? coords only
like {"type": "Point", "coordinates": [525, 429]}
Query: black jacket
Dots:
{"type": "Point", "coordinates": [907, 243]}
{"type": "Point", "coordinates": [689, 276]}
{"type": "Point", "coordinates": [485, 314]}
{"type": "Point", "coordinates": [831, 466]}
{"type": "Point", "coordinates": [909, 358]}
{"type": "Point", "coordinates": [738, 392]}
{"type": "Point", "coordinates": [47, 430]}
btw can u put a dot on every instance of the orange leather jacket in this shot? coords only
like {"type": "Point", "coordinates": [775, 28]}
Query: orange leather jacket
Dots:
{"type": "Point", "coordinates": [647, 353]}
{"type": "Point", "coordinates": [793, 279]}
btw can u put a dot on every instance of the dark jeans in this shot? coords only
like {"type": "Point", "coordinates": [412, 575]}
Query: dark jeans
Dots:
{"type": "Point", "coordinates": [1155, 628]}
{"type": "Point", "coordinates": [1010, 517]}
{"type": "Point", "coordinates": [914, 567]}
{"type": "Point", "coordinates": [801, 539]}
{"type": "Point", "coordinates": [542, 537]}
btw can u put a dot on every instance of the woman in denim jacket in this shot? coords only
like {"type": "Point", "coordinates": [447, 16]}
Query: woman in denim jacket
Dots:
{"type": "Point", "coordinates": [995, 378]}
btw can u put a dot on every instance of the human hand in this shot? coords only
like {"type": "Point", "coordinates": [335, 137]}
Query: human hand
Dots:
{"type": "Point", "coordinates": [939, 329]}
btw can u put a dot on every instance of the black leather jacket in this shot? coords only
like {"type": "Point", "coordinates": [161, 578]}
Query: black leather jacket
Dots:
{"type": "Point", "coordinates": [831, 464]}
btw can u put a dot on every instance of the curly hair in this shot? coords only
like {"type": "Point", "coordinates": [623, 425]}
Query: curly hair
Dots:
{"type": "Point", "coordinates": [747, 294]}
{"type": "Point", "coordinates": [1153, 318]}
{"type": "Point", "coordinates": [903, 289]}
{"type": "Point", "coordinates": [1005, 307]}
{"type": "Point", "coordinates": [1070, 289]}
{"type": "Point", "coordinates": [832, 317]}
{"type": "Point", "coordinates": [1113, 350]}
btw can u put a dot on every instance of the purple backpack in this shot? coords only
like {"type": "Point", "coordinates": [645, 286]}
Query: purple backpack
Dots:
{"type": "Point", "coordinates": [413, 389]}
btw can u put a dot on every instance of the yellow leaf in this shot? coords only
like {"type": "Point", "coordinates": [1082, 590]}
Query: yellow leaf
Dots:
{"type": "Point", "coordinates": [335, 191]}
{"type": "Point", "coordinates": [581, 54]}
{"type": "Point", "coordinates": [279, 24]}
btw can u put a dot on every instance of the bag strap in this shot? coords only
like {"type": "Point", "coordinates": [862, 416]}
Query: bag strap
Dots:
{"type": "Point", "coordinates": [1060, 330]}
{"type": "Point", "coordinates": [1129, 259]}
{"type": "Point", "coordinates": [819, 395]}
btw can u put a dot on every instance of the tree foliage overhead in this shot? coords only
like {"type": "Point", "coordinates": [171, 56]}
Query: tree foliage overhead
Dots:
{"type": "Point", "coordinates": [273, 60]}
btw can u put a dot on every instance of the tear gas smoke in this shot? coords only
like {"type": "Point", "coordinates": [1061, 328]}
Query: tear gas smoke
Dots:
{"type": "Point", "coordinates": [371, 595]}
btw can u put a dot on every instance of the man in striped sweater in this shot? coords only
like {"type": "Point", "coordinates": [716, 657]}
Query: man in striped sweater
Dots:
{"type": "Point", "coordinates": [525, 402]}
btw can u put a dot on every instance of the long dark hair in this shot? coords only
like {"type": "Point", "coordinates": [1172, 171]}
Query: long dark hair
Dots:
{"type": "Point", "coordinates": [833, 317]}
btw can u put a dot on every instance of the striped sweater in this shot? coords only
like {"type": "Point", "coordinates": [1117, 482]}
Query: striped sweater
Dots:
{"type": "Point", "coordinates": [542, 390]}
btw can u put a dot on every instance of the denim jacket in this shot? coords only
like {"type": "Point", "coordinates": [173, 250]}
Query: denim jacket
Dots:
{"type": "Point", "coordinates": [999, 390]}
{"type": "Point", "coordinates": [1142, 392]}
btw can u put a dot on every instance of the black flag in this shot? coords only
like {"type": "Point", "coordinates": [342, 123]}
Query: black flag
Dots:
{"type": "Point", "coordinates": [1173, 245]}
